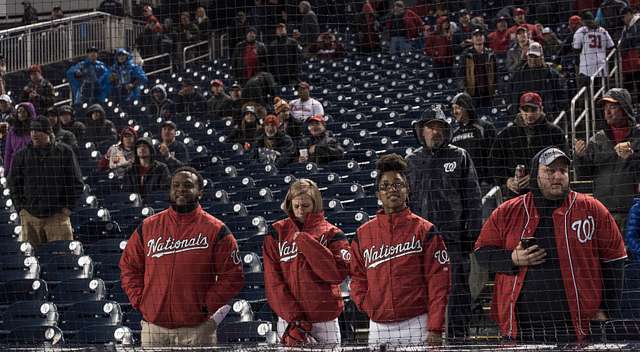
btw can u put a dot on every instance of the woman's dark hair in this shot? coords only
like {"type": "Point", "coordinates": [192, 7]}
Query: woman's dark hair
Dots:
{"type": "Point", "coordinates": [193, 171]}
{"type": "Point", "coordinates": [391, 162]}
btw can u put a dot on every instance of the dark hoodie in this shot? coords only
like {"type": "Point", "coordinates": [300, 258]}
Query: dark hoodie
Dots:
{"type": "Point", "coordinates": [164, 108]}
{"type": "Point", "coordinates": [614, 179]}
{"type": "Point", "coordinates": [445, 185]}
{"type": "Point", "coordinates": [476, 137]}
{"type": "Point", "coordinates": [100, 131]}
{"type": "Point", "coordinates": [327, 148]}
{"type": "Point", "coordinates": [517, 144]}
{"type": "Point", "coordinates": [146, 181]}
{"type": "Point", "coordinates": [76, 127]}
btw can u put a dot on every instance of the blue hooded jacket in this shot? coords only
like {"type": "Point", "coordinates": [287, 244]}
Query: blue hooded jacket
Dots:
{"type": "Point", "coordinates": [128, 73]}
{"type": "Point", "coordinates": [93, 85]}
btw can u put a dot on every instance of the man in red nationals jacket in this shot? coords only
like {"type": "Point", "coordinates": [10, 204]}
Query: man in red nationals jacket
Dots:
{"type": "Point", "coordinates": [179, 267]}
{"type": "Point", "coordinates": [305, 260]}
{"type": "Point", "coordinates": [558, 257]}
{"type": "Point", "coordinates": [400, 267]}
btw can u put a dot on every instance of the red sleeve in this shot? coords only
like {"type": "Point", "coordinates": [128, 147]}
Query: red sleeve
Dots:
{"type": "Point", "coordinates": [491, 235]}
{"type": "Point", "coordinates": [331, 263]}
{"type": "Point", "coordinates": [608, 236]}
{"type": "Point", "coordinates": [436, 269]}
{"type": "Point", "coordinates": [428, 44]}
{"type": "Point", "coordinates": [278, 294]}
{"type": "Point", "coordinates": [132, 265]}
{"type": "Point", "coordinates": [359, 286]}
{"type": "Point", "coordinates": [103, 163]}
{"type": "Point", "coordinates": [227, 267]}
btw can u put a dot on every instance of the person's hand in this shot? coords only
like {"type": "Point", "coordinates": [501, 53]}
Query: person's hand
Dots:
{"type": "Point", "coordinates": [3, 128]}
{"type": "Point", "coordinates": [312, 149]}
{"type": "Point", "coordinates": [303, 159]}
{"type": "Point", "coordinates": [33, 94]}
{"type": "Point", "coordinates": [434, 338]}
{"type": "Point", "coordinates": [513, 185]}
{"type": "Point", "coordinates": [580, 148]}
{"type": "Point", "coordinates": [533, 255]}
{"type": "Point", "coordinates": [296, 35]}
{"type": "Point", "coordinates": [182, 92]}
{"type": "Point", "coordinates": [623, 150]}
{"type": "Point", "coordinates": [66, 211]}
{"type": "Point", "coordinates": [129, 87]}
{"type": "Point", "coordinates": [601, 316]}
{"type": "Point", "coordinates": [113, 78]}
{"type": "Point", "coordinates": [164, 150]}
{"type": "Point", "coordinates": [117, 159]}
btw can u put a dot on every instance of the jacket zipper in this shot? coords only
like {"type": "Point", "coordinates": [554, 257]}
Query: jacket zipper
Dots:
{"type": "Point", "coordinates": [573, 277]}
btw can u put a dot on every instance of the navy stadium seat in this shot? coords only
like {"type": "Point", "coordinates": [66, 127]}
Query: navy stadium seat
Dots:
{"type": "Point", "coordinates": [65, 267]}
{"type": "Point", "coordinates": [76, 290]}
{"type": "Point", "coordinates": [23, 290]}
{"type": "Point", "coordinates": [35, 335]}
{"type": "Point", "coordinates": [29, 313]}
{"type": "Point", "coordinates": [17, 267]}
{"type": "Point", "coordinates": [88, 313]}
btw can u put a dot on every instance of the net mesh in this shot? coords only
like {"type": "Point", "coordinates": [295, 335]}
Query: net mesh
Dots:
{"type": "Point", "coordinates": [378, 172]}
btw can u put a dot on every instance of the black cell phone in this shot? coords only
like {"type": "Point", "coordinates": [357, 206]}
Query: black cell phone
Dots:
{"type": "Point", "coordinates": [528, 242]}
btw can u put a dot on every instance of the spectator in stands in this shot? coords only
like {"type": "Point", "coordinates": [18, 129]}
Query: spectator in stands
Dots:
{"type": "Point", "coordinates": [539, 271]}
{"type": "Point", "coordinates": [249, 57]}
{"type": "Point", "coordinates": [149, 43]}
{"type": "Point", "coordinates": [499, 40]}
{"type": "Point", "coordinates": [517, 53]}
{"type": "Point", "coordinates": [438, 45]}
{"type": "Point", "coordinates": [551, 43]}
{"type": "Point", "coordinates": [219, 105]}
{"type": "Point", "coordinates": [161, 106]}
{"type": "Point", "coordinates": [100, 130]}
{"type": "Point", "coordinates": [260, 88]}
{"type": "Point", "coordinates": [479, 71]}
{"type": "Point", "coordinates": [246, 131]}
{"type": "Point", "coordinates": [189, 101]}
{"type": "Point", "coordinates": [6, 108]}
{"type": "Point", "coordinates": [39, 91]}
{"type": "Point", "coordinates": [203, 276]}
{"type": "Point", "coordinates": [444, 181]}
{"type": "Point", "coordinates": [303, 290]}
{"type": "Point", "coordinates": [89, 79]}
{"type": "Point", "coordinates": [567, 53]}
{"type": "Point", "coordinates": [593, 42]}
{"type": "Point", "coordinates": [319, 146]}
{"type": "Point", "coordinates": [146, 175]}
{"type": "Point", "coordinates": [202, 21]}
{"type": "Point", "coordinates": [18, 135]}
{"type": "Point", "coordinates": [404, 27]}
{"type": "Point", "coordinates": [309, 27]}
{"type": "Point", "coordinates": [520, 21]}
{"type": "Point", "coordinates": [609, 156]}
{"type": "Point", "coordinates": [273, 144]}
{"type": "Point", "coordinates": [68, 122]}
{"type": "Point", "coordinates": [61, 135]}
{"type": "Point", "coordinates": [236, 101]}
{"type": "Point", "coordinates": [630, 51]}
{"type": "Point", "coordinates": [538, 76]}
{"type": "Point", "coordinates": [238, 32]}
{"type": "Point", "coordinates": [126, 78]}
{"type": "Point", "coordinates": [113, 7]}
{"type": "Point", "coordinates": [462, 36]}
{"type": "Point", "coordinates": [399, 306]}
{"type": "Point", "coordinates": [56, 13]}
{"type": "Point", "coordinates": [30, 14]}
{"type": "Point", "coordinates": [474, 135]}
{"type": "Point", "coordinates": [285, 56]}
{"type": "Point", "coordinates": [368, 28]}
{"type": "Point", "coordinates": [120, 157]}
{"type": "Point", "coordinates": [304, 107]}
{"type": "Point", "coordinates": [171, 151]}
{"type": "Point", "coordinates": [187, 33]}
{"type": "Point", "coordinates": [327, 47]}
{"type": "Point", "coordinates": [288, 124]}
{"type": "Point", "coordinates": [517, 144]}
{"type": "Point", "coordinates": [45, 183]}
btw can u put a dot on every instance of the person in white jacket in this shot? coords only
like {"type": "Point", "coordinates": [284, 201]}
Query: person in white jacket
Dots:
{"type": "Point", "coordinates": [304, 107]}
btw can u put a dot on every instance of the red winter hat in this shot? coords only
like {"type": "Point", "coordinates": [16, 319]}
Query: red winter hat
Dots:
{"type": "Point", "coordinates": [531, 99]}
{"type": "Point", "coordinates": [272, 120]}
{"type": "Point", "coordinates": [318, 118]}
{"type": "Point", "coordinates": [575, 20]}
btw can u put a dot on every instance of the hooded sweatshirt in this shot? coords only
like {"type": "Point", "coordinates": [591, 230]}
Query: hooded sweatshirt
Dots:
{"type": "Point", "coordinates": [147, 180]}
{"type": "Point", "coordinates": [476, 136]}
{"type": "Point", "coordinates": [161, 108]}
{"type": "Point", "coordinates": [18, 136]}
{"type": "Point", "coordinates": [100, 131]}
{"type": "Point", "coordinates": [127, 73]}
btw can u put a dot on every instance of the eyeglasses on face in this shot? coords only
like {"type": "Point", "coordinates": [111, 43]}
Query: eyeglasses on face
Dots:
{"type": "Point", "coordinates": [384, 187]}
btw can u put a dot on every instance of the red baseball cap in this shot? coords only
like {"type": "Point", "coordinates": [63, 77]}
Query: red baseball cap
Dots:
{"type": "Point", "coordinates": [272, 120]}
{"type": "Point", "coordinates": [575, 20]}
{"type": "Point", "coordinates": [531, 99]}
{"type": "Point", "coordinates": [317, 118]}
{"type": "Point", "coordinates": [522, 28]}
{"type": "Point", "coordinates": [217, 82]}
{"type": "Point", "coordinates": [519, 11]}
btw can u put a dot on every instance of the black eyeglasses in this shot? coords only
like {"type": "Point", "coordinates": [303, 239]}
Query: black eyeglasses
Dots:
{"type": "Point", "coordinates": [529, 108]}
{"type": "Point", "coordinates": [384, 187]}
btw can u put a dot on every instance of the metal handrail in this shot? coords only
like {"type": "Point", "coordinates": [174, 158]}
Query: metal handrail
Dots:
{"type": "Point", "coordinates": [188, 47]}
{"type": "Point", "coordinates": [562, 117]}
{"type": "Point", "coordinates": [65, 101]}
{"type": "Point", "coordinates": [168, 68]}
{"type": "Point", "coordinates": [583, 115]}
{"type": "Point", "coordinates": [495, 192]}
{"type": "Point", "coordinates": [50, 23]}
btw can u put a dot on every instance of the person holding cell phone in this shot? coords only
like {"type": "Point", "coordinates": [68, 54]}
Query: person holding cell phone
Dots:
{"type": "Point", "coordinates": [558, 257]}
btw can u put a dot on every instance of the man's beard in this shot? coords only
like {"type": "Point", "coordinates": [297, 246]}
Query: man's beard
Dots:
{"type": "Point", "coordinates": [184, 208]}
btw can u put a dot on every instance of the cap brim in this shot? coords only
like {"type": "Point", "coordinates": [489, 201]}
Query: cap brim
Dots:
{"type": "Point", "coordinates": [610, 100]}
{"type": "Point", "coordinates": [531, 104]}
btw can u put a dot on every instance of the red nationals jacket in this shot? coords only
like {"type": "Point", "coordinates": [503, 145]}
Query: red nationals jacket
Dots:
{"type": "Point", "coordinates": [304, 266]}
{"type": "Point", "coordinates": [586, 236]}
{"type": "Point", "coordinates": [178, 269]}
{"type": "Point", "coordinates": [400, 270]}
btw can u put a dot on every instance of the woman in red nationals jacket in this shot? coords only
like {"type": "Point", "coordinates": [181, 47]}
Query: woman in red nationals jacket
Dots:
{"type": "Point", "coordinates": [305, 260]}
{"type": "Point", "coordinates": [400, 267]}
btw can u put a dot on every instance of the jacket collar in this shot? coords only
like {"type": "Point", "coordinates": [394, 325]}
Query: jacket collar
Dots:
{"type": "Point", "coordinates": [393, 218]}
{"type": "Point", "coordinates": [311, 221]}
{"type": "Point", "coordinates": [185, 217]}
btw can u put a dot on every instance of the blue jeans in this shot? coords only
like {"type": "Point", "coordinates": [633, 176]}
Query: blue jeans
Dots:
{"type": "Point", "coordinates": [398, 45]}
